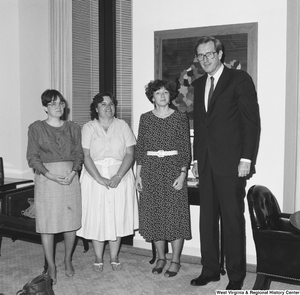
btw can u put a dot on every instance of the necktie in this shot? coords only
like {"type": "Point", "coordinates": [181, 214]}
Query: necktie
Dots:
{"type": "Point", "coordinates": [211, 90]}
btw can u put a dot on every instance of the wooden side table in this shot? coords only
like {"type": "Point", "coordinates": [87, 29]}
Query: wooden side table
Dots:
{"type": "Point", "coordinates": [12, 183]}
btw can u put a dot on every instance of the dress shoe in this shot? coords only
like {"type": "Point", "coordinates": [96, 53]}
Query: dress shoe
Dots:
{"type": "Point", "coordinates": [234, 285]}
{"type": "Point", "coordinates": [203, 280]}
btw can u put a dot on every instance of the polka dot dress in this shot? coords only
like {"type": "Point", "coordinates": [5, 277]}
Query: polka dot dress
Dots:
{"type": "Point", "coordinates": [163, 211]}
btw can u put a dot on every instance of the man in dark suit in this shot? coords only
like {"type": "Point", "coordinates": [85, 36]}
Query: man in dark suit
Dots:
{"type": "Point", "coordinates": [226, 133]}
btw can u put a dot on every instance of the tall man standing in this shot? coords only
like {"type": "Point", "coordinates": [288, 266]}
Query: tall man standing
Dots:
{"type": "Point", "coordinates": [226, 134]}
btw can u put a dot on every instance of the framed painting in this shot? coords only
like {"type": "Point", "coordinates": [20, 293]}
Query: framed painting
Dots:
{"type": "Point", "coordinates": [175, 59]}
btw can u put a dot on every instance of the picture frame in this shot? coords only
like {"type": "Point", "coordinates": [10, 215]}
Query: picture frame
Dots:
{"type": "Point", "coordinates": [174, 57]}
{"type": "Point", "coordinates": [1, 172]}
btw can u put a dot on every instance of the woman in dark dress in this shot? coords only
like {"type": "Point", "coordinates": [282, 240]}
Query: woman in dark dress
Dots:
{"type": "Point", "coordinates": [55, 153]}
{"type": "Point", "coordinates": [163, 157]}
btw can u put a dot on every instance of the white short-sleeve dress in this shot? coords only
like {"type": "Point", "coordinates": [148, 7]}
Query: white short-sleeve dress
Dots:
{"type": "Point", "coordinates": [108, 213]}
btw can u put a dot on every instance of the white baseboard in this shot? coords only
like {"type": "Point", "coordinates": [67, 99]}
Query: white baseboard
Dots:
{"type": "Point", "coordinates": [186, 250]}
{"type": "Point", "coordinates": [189, 251]}
{"type": "Point", "coordinates": [141, 244]}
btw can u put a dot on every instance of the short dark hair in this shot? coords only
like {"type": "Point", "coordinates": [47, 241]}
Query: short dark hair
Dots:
{"type": "Point", "coordinates": [206, 39]}
{"type": "Point", "coordinates": [96, 100]}
{"type": "Point", "coordinates": [51, 95]}
{"type": "Point", "coordinates": [153, 86]}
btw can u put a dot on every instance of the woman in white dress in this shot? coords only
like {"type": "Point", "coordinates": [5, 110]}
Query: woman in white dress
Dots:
{"type": "Point", "coordinates": [109, 201]}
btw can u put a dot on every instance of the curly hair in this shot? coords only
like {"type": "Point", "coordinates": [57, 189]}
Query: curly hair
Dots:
{"type": "Point", "coordinates": [98, 98]}
{"type": "Point", "coordinates": [153, 86]}
{"type": "Point", "coordinates": [51, 95]}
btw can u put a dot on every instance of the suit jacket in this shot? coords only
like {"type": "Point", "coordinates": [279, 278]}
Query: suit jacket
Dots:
{"type": "Point", "coordinates": [230, 129]}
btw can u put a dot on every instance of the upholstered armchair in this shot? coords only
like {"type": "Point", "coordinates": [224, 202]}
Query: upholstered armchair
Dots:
{"type": "Point", "coordinates": [277, 242]}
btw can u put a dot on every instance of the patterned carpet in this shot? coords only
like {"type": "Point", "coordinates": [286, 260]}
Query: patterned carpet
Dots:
{"type": "Point", "coordinates": [21, 261]}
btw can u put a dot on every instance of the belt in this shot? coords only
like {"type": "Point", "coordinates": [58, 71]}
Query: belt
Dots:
{"type": "Point", "coordinates": [162, 153]}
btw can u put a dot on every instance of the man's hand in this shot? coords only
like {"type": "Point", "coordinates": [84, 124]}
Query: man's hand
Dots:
{"type": "Point", "coordinates": [195, 170]}
{"type": "Point", "coordinates": [243, 169]}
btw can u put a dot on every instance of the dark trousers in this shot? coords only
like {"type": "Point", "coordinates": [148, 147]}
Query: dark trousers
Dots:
{"type": "Point", "coordinates": [222, 195]}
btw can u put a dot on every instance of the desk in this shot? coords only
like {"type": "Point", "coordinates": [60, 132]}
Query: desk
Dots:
{"type": "Point", "coordinates": [12, 183]}
{"type": "Point", "coordinates": [295, 220]}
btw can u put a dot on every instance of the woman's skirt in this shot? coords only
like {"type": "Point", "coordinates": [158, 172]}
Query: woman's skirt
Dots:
{"type": "Point", "coordinates": [57, 207]}
{"type": "Point", "coordinates": [108, 213]}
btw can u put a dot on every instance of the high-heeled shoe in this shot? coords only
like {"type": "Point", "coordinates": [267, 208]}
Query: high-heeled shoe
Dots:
{"type": "Point", "coordinates": [53, 276]}
{"type": "Point", "coordinates": [54, 281]}
{"type": "Point", "coordinates": [158, 270]}
{"type": "Point", "coordinates": [69, 273]}
{"type": "Point", "coordinates": [169, 274]}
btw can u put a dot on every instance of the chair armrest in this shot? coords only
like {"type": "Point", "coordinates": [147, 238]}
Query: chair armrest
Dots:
{"type": "Point", "coordinates": [285, 215]}
{"type": "Point", "coordinates": [275, 235]}
{"type": "Point", "coordinates": [285, 225]}
{"type": "Point", "coordinates": [278, 253]}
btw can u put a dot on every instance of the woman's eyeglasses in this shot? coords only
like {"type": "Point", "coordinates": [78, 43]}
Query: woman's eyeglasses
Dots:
{"type": "Point", "coordinates": [53, 104]}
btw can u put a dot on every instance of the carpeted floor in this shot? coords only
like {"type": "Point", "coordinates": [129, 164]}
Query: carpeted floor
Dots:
{"type": "Point", "coordinates": [21, 261]}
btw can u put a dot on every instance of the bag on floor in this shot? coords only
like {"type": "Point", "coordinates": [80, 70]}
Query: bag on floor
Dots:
{"type": "Point", "coordinates": [41, 285]}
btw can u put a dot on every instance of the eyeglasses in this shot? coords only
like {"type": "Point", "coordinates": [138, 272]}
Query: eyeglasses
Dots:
{"type": "Point", "coordinates": [53, 104]}
{"type": "Point", "coordinates": [208, 55]}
